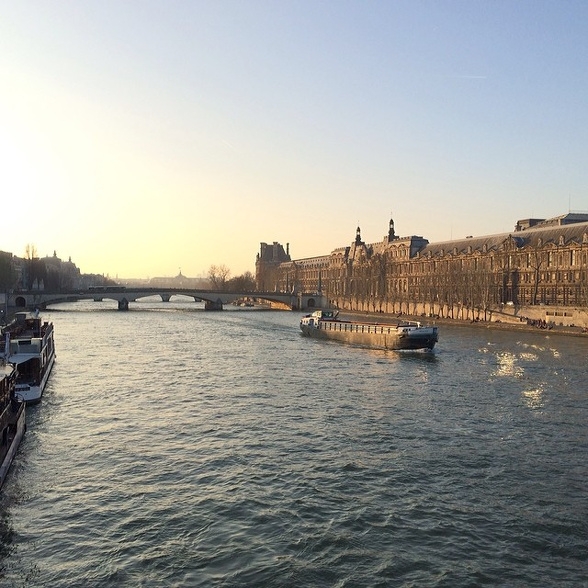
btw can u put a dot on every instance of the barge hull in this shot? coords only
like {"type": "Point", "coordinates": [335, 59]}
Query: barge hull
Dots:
{"type": "Point", "coordinates": [13, 443]}
{"type": "Point", "coordinates": [390, 341]}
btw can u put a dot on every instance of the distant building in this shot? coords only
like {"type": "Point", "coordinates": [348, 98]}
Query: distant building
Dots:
{"type": "Point", "coordinates": [267, 264]}
{"type": "Point", "coordinates": [61, 275]}
{"type": "Point", "coordinates": [7, 271]}
{"type": "Point", "coordinates": [49, 273]}
{"type": "Point", "coordinates": [180, 281]}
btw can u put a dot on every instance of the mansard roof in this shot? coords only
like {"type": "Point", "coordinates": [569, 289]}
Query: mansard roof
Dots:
{"type": "Point", "coordinates": [566, 219]}
{"type": "Point", "coordinates": [532, 237]}
{"type": "Point", "coordinates": [563, 234]}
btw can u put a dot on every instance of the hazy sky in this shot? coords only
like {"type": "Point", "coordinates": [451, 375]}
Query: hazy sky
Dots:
{"type": "Point", "coordinates": [139, 137]}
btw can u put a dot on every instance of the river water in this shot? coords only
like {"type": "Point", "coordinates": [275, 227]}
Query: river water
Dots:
{"type": "Point", "coordinates": [178, 447]}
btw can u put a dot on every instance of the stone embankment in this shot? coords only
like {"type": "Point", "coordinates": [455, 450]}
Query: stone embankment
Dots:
{"type": "Point", "coordinates": [506, 325]}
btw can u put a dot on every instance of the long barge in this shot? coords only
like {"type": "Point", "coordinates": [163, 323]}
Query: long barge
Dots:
{"type": "Point", "coordinates": [404, 335]}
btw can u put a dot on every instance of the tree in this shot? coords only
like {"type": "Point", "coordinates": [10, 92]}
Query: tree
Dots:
{"type": "Point", "coordinates": [243, 283]}
{"type": "Point", "coordinates": [218, 276]}
{"type": "Point", "coordinates": [537, 263]}
{"type": "Point", "coordinates": [30, 251]}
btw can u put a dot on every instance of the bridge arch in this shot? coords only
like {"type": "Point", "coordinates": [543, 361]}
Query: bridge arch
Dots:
{"type": "Point", "coordinates": [20, 302]}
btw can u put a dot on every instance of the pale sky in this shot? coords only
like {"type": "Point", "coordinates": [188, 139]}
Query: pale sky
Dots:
{"type": "Point", "coordinates": [140, 137]}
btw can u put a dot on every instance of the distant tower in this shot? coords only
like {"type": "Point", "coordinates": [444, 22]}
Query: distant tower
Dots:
{"type": "Point", "coordinates": [266, 263]}
{"type": "Point", "coordinates": [358, 236]}
{"type": "Point", "coordinates": [391, 233]}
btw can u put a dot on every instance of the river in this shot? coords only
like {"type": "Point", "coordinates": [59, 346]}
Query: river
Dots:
{"type": "Point", "coordinates": [178, 447]}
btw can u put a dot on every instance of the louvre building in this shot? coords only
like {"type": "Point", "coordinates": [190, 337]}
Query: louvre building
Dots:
{"type": "Point", "coordinates": [537, 271]}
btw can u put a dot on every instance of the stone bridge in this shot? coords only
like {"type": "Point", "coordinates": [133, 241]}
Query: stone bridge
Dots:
{"type": "Point", "coordinates": [213, 299]}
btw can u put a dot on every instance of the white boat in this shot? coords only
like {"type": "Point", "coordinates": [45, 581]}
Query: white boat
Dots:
{"type": "Point", "coordinates": [12, 418]}
{"type": "Point", "coordinates": [325, 324]}
{"type": "Point", "coordinates": [29, 344]}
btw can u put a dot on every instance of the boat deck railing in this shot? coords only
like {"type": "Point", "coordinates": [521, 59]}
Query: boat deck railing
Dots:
{"type": "Point", "coordinates": [345, 326]}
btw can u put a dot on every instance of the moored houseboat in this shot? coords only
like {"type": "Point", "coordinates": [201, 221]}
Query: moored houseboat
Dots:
{"type": "Point", "coordinates": [325, 324]}
{"type": "Point", "coordinates": [12, 418]}
{"type": "Point", "coordinates": [29, 344]}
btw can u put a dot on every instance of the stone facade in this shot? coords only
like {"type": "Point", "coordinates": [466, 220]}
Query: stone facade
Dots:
{"type": "Point", "coordinates": [268, 266]}
{"type": "Point", "coordinates": [538, 271]}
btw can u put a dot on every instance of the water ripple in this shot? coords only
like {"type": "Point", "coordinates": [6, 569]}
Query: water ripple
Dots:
{"type": "Point", "coordinates": [184, 448]}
